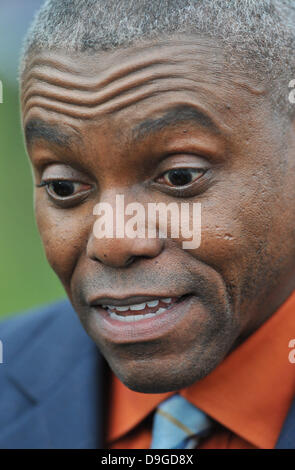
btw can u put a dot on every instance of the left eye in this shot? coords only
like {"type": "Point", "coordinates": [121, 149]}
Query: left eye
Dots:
{"type": "Point", "coordinates": [181, 176]}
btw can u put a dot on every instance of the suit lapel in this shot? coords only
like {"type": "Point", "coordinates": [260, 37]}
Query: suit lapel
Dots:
{"type": "Point", "coordinates": [287, 436]}
{"type": "Point", "coordinates": [60, 373]}
{"type": "Point", "coordinates": [18, 435]}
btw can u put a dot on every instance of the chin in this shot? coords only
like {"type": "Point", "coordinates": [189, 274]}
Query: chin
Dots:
{"type": "Point", "coordinates": [160, 376]}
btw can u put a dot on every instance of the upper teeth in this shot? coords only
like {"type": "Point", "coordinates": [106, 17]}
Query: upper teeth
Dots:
{"type": "Point", "coordinates": [142, 306]}
{"type": "Point", "coordinates": [132, 318]}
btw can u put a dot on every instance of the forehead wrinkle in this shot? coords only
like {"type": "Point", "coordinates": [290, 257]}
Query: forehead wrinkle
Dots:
{"type": "Point", "coordinates": [130, 60]}
{"type": "Point", "coordinates": [178, 103]}
{"type": "Point", "coordinates": [124, 100]}
{"type": "Point", "coordinates": [95, 103]}
{"type": "Point", "coordinates": [99, 94]}
{"type": "Point", "coordinates": [92, 97]}
{"type": "Point", "coordinates": [76, 80]}
{"type": "Point", "coordinates": [126, 75]}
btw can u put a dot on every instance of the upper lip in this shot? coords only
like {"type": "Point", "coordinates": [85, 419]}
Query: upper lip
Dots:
{"type": "Point", "coordinates": [136, 299]}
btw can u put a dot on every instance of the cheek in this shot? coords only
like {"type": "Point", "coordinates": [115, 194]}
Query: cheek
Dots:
{"type": "Point", "coordinates": [64, 235]}
{"type": "Point", "coordinates": [224, 243]}
{"type": "Point", "coordinates": [235, 225]}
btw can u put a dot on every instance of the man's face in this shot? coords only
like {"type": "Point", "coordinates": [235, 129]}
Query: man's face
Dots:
{"type": "Point", "coordinates": [162, 123]}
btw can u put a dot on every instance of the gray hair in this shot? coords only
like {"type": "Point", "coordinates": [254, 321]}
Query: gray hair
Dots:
{"type": "Point", "coordinates": [258, 35]}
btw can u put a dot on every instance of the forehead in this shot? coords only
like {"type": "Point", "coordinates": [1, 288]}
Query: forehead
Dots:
{"type": "Point", "coordinates": [137, 83]}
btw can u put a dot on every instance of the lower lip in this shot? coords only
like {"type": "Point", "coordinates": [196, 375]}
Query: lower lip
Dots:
{"type": "Point", "coordinates": [118, 332]}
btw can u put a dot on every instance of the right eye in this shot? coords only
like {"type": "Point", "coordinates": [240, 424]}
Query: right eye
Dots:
{"type": "Point", "coordinates": [64, 189]}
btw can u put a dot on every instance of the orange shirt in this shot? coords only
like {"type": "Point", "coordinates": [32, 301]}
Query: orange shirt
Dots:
{"type": "Point", "coordinates": [249, 394]}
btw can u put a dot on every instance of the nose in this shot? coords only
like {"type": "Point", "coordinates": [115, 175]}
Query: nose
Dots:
{"type": "Point", "coordinates": [121, 252]}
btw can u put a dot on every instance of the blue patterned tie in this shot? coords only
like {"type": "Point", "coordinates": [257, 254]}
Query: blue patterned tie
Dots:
{"type": "Point", "coordinates": [178, 424]}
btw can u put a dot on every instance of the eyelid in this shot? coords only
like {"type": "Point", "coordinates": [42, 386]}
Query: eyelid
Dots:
{"type": "Point", "coordinates": [60, 171]}
{"type": "Point", "coordinates": [183, 160]}
{"type": "Point", "coordinates": [45, 181]}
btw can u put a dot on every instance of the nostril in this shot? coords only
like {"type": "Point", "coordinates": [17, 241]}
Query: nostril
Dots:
{"type": "Point", "coordinates": [130, 260]}
{"type": "Point", "coordinates": [122, 252]}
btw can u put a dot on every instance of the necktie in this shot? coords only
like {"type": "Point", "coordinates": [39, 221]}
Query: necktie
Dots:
{"type": "Point", "coordinates": [178, 424]}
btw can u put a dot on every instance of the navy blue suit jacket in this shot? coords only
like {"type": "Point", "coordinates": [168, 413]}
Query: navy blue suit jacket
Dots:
{"type": "Point", "coordinates": [52, 384]}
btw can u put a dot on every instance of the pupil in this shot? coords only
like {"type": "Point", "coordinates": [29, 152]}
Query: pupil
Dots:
{"type": "Point", "coordinates": [180, 177]}
{"type": "Point", "coordinates": [63, 188]}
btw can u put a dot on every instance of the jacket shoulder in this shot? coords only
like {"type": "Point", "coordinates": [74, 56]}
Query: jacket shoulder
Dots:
{"type": "Point", "coordinates": [50, 366]}
{"type": "Point", "coordinates": [18, 331]}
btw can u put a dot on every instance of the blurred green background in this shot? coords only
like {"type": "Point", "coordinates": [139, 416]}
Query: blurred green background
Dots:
{"type": "Point", "coordinates": [26, 279]}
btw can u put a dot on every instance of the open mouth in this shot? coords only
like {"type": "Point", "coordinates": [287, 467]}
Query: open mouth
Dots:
{"type": "Point", "coordinates": [142, 311]}
{"type": "Point", "coordinates": [139, 318]}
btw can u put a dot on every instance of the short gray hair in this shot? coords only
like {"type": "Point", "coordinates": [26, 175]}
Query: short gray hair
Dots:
{"type": "Point", "coordinates": [258, 34]}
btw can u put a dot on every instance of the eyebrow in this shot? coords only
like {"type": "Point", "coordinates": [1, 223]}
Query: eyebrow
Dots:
{"type": "Point", "coordinates": [178, 114]}
{"type": "Point", "coordinates": [36, 129]}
